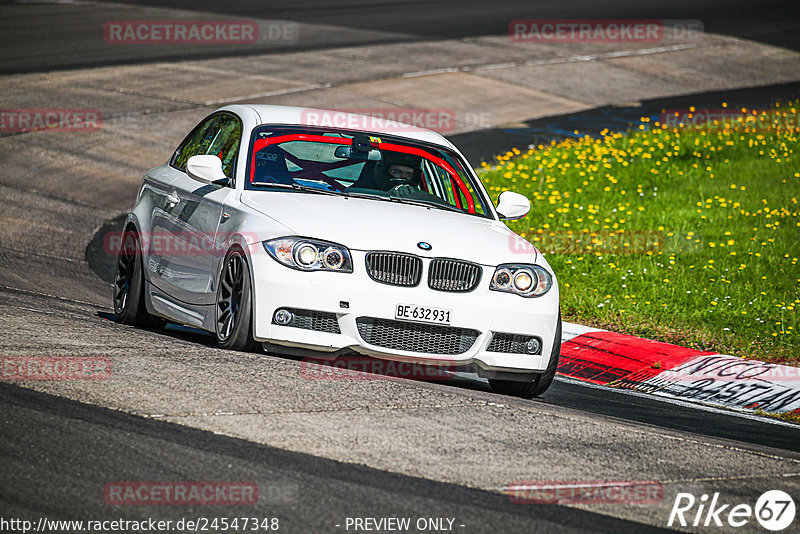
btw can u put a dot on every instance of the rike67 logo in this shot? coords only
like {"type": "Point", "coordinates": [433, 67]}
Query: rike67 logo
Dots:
{"type": "Point", "coordinates": [774, 510]}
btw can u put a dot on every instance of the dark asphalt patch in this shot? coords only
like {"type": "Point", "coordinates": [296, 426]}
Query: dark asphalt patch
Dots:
{"type": "Point", "coordinates": [484, 145]}
{"type": "Point", "coordinates": [59, 454]}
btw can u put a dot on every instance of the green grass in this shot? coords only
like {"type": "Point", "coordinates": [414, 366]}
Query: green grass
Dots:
{"type": "Point", "coordinates": [689, 236]}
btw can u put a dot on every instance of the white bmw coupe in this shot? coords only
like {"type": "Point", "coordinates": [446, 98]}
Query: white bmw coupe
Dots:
{"type": "Point", "coordinates": [263, 228]}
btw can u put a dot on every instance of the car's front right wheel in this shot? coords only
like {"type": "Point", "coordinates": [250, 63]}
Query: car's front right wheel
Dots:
{"type": "Point", "coordinates": [539, 382]}
{"type": "Point", "coordinates": [234, 304]}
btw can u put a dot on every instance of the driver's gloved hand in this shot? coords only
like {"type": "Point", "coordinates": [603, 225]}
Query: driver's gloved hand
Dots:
{"type": "Point", "coordinates": [404, 190]}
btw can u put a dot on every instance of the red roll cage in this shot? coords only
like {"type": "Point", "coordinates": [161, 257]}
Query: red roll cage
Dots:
{"type": "Point", "coordinates": [455, 179]}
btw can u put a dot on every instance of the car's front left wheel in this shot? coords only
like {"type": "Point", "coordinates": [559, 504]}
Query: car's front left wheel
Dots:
{"type": "Point", "coordinates": [234, 304]}
{"type": "Point", "coordinates": [539, 383]}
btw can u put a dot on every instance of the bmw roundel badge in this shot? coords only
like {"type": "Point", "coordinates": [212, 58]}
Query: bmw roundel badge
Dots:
{"type": "Point", "coordinates": [424, 246]}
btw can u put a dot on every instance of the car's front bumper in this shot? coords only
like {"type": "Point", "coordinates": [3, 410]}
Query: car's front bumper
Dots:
{"type": "Point", "coordinates": [355, 295]}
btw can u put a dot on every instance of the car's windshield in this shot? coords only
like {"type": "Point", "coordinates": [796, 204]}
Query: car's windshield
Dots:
{"type": "Point", "coordinates": [358, 164]}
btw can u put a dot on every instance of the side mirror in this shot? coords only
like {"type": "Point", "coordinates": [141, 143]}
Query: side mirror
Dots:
{"type": "Point", "coordinates": [511, 206]}
{"type": "Point", "coordinates": [205, 168]}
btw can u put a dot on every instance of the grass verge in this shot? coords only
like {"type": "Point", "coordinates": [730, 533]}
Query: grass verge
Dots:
{"type": "Point", "coordinates": [689, 235]}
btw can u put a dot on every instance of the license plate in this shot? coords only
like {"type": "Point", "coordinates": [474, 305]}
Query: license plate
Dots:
{"type": "Point", "coordinates": [425, 314]}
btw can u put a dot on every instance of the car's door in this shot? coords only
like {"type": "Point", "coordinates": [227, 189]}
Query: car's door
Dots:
{"type": "Point", "coordinates": [190, 220]}
{"type": "Point", "coordinates": [154, 198]}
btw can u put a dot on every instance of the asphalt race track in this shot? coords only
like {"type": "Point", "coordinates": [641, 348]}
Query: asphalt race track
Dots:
{"type": "Point", "coordinates": [309, 494]}
{"type": "Point", "coordinates": [54, 40]}
{"type": "Point", "coordinates": [176, 408]}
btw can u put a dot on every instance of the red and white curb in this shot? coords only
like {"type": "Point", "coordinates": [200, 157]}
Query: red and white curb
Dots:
{"type": "Point", "coordinates": [621, 361]}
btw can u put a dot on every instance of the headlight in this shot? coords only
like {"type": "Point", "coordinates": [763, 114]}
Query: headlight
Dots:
{"type": "Point", "coordinates": [310, 254]}
{"type": "Point", "coordinates": [333, 258]}
{"type": "Point", "coordinates": [501, 279]}
{"type": "Point", "coordinates": [306, 255]}
{"type": "Point", "coordinates": [523, 280]}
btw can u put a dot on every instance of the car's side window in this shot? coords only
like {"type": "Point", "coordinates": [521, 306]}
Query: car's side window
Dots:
{"type": "Point", "coordinates": [442, 185]}
{"type": "Point", "coordinates": [226, 143]}
{"type": "Point", "coordinates": [218, 135]}
{"type": "Point", "coordinates": [197, 143]}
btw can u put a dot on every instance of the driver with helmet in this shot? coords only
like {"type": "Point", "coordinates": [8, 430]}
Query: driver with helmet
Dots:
{"type": "Point", "coordinates": [399, 173]}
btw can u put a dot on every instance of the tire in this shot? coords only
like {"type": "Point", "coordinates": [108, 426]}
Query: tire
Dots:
{"type": "Point", "coordinates": [233, 317]}
{"type": "Point", "coordinates": [128, 290]}
{"type": "Point", "coordinates": [540, 382]}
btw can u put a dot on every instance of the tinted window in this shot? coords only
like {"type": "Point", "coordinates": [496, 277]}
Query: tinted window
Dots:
{"type": "Point", "coordinates": [218, 135]}
{"type": "Point", "coordinates": [392, 167]}
{"type": "Point", "coordinates": [225, 144]}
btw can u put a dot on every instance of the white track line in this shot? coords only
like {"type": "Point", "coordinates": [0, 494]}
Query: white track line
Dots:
{"type": "Point", "coordinates": [267, 94]}
{"type": "Point", "coordinates": [557, 60]}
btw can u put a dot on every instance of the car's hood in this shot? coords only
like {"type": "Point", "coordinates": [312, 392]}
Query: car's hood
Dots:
{"type": "Point", "coordinates": [365, 224]}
